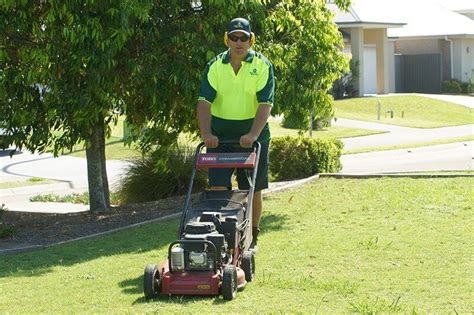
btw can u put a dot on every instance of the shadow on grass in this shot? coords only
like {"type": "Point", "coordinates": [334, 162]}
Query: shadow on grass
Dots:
{"type": "Point", "coordinates": [273, 222]}
{"type": "Point", "coordinates": [137, 240]}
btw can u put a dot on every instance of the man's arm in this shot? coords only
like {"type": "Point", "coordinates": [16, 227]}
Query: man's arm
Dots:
{"type": "Point", "coordinates": [263, 112]}
{"type": "Point", "coordinates": [204, 121]}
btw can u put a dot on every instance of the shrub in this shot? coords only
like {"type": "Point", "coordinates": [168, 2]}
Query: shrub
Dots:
{"type": "Point", "coordinates": [78, 198]}
{"type": "Point", "coordinates": [302, 123]}
{"type": "Point", "coordinates": [346, 85]}
{"type": "Point", "coordinates": [464, 87]}
{"type": "Point", "coordinates": [295, 122]}
{"type": "Point", "coordinates": [451, 86]}
{"type": "Point", "coordinates": [160, 174]}
{"type": "Point", "coordinates": [2, 211]}
{"type": "Point", "coordinates": [300, 157]}
{"type": "Point", "coordinates": [5, 230]}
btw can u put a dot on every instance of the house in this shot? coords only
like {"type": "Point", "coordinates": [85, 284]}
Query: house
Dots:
{"type": "Point", "coordinates": [364, 28]}
{"type": "Point", "coordinates": [442, 38]}
{"type": "Point", "coordinates": [408, 45]}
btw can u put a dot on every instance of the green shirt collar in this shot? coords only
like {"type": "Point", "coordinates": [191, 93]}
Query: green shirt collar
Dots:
{"type": "Point", "coordinates": [248, 58]}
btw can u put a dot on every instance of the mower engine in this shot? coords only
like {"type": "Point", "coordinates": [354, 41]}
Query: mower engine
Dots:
{"type": "Point", "coordinates": [201, 248]}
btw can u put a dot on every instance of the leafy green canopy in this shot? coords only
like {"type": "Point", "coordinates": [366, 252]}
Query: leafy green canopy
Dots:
{"type": "Point", "coordinates": [66, 66]}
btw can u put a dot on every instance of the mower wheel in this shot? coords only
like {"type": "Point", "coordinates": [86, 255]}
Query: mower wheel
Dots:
{"type": "Point", "coordinates": [151, 282]}
{"type": "Point", "coordinates": [248, 265]}
{"type": "Point", "coordinates": [229, 282]}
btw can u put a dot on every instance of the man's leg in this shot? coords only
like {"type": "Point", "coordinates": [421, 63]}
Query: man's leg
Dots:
{"type": "Point", "coordinates": [256, 215]}
{"type": "Point", "coordinates": [257, 208]}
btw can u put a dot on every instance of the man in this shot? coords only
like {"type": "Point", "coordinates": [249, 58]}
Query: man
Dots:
{"type": "Point", "coordinates": [235, 100]}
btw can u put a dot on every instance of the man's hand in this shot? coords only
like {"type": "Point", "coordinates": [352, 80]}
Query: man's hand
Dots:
{"type": "Point", "coordinates": [247, 140]}
{"type": "Point", "coordinates": [210, 141]}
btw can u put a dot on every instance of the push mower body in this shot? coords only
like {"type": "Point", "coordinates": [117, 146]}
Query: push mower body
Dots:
{"type": "Point", "coordinates": [212, 255]}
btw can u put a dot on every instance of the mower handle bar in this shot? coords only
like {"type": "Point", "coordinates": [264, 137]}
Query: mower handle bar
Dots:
{"type": "Point", "coordinates": [256, 146]}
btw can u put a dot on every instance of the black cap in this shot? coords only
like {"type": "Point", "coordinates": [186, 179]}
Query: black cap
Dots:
{"type": "Point", "coordinates": [239, 25]}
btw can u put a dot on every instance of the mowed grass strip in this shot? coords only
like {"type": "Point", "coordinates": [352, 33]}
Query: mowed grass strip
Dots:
{"type": "Point", "coordinates": [418, 111]}
{"type": "Point", "coordinates": [27, 182]}
{"type": "Point", "coordinates": [332, 246]}
{"type": "Point", "coordinates": [115, 149]}
{"type": "Point", "coordinates": [332, 132]}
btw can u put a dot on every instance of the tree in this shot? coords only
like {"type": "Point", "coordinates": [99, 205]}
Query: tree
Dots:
{"type": "Point", "coordinates": [306, 48]}
{"type": "Point", "coordinates": [68, 68]}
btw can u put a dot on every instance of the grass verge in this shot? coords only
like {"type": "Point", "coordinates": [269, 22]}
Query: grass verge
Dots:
{"type": "Point", "coordinates": [115, 149]}
{"type": "Point", "coordinates": [418, 111]}
{"type": "Point", "coordinates": [409, 145]}
{"type": "Point", "coordinates": [29, 182]}
{"type": "Point", "coordinates": [82, 198]}
{"type": "Point", "coordinates": [333, 132]}
{"type": "Point", "coordinates": [332, 246]}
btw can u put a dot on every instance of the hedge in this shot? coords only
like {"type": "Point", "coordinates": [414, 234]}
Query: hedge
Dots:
{"type": "Point", "coordinates": [300, 157]}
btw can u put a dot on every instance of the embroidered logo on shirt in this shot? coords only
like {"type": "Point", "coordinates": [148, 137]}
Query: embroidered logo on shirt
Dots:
{"type": "Point", "coordinates": [254, 72]}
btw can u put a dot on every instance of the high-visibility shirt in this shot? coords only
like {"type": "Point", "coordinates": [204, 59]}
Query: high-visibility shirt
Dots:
{"type": "Point", "coordinates": [235, 98]}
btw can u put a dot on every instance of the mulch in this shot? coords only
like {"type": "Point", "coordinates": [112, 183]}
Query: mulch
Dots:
{"type": "Point", "coordinates": [43, 229]}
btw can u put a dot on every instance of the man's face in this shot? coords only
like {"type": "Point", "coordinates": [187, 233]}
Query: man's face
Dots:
{"type": "Point", "coordinates": [239, 44]}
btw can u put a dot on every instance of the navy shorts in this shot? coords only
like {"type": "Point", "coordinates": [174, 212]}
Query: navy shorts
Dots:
{"type": "Point", "coordinates": [223, 176]}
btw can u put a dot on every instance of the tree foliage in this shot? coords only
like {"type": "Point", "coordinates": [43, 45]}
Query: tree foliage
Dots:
{"type": "Point", "coordinates": [306, 48]}
{"type": "Point", "coordinates": [68, 68]}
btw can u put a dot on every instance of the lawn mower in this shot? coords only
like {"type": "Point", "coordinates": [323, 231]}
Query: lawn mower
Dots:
{"type": "Point", "coordinates": [212, 255]}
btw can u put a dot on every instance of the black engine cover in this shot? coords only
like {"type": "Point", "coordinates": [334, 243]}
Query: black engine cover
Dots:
{"type": "Point", "coordinates": [199, 228]}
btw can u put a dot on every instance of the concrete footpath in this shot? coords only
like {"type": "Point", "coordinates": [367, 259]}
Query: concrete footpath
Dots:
{"type": "Point", "coordinates": [68, 173]}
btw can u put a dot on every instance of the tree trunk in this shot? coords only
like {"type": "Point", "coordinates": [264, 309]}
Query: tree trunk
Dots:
{"type": "Point", "coordinates": [98, 196]}
{"type": "Point", "coordinates": [105, 181]}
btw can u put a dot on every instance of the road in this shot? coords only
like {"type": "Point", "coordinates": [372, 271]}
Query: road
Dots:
{"type": "Point", "coordinates": [445, 157]}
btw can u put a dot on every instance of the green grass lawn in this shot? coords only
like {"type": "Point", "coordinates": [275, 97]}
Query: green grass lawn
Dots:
{"type": "Point", "coordinates": [115, 149]}
{"type": "Point", "coordinates": [27, 182]}
{"type": "Point", "coordinates": [333, 132]}
{"type": "Point", "coordinates": [419, 111]}
{"type": "Point", "coordinates": [332, 246]}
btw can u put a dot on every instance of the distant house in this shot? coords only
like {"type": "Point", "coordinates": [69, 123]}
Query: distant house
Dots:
{"type": "Point", "coordinates": [445, 39]}
{"type": "Point", "coordinates": [408, 45]}
{"type": "Point", "coordinates": [364, 28]}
